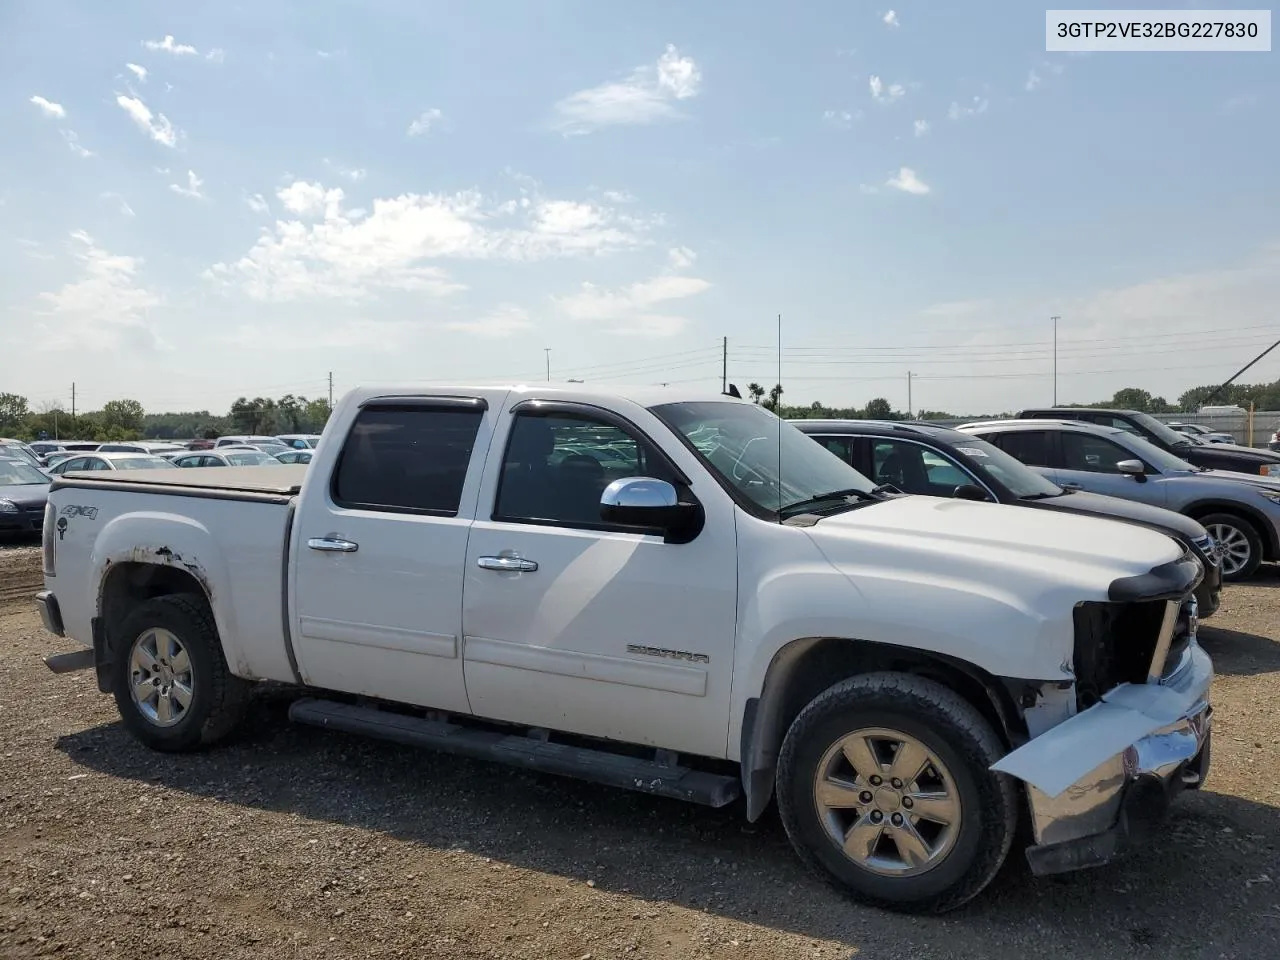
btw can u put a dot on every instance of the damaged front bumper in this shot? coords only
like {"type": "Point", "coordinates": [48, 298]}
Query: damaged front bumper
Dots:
{"type": "Point", "coordinates": [1097, 782]}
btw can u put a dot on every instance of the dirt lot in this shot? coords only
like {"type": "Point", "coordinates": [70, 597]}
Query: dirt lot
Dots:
{"type": "Point", "coordinates": [295, 843]}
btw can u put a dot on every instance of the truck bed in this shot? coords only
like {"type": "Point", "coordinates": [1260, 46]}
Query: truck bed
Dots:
{"type": "Point", "coordinates": [240, 482]}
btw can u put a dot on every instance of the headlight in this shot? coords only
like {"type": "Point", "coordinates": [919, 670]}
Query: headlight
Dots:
{"type": "Point", "coordinates": [1270, 470]}
{"type": "Point", "coordinates": [8, 506]}
{"type": "Point", "coordinates": [1273, 497]}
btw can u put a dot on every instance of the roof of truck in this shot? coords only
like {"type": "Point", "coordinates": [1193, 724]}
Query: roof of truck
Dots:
{"type": "Point", "coordinates": [282, 480]}
{"type": "Point", "coordinates": [646, 395]}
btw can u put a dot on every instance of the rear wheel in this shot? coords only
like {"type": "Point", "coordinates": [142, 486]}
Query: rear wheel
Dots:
{"type": "Point", "coordinates": [171, 682]}
{"type": "Point", "coordinates": [884, 788]}
{"type": "Point", "coordinates": [1239, 544]}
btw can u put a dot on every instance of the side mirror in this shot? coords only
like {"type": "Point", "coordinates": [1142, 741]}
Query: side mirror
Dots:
{"type": "Point", "coordinates": [1133, 468]}
{"type": "Point", "coordinates": [646, 502]}
{"type": "Point", "coordinates": [970, 491]}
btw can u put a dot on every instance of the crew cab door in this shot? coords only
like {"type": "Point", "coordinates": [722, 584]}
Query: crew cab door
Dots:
{"type": "Point", "coordinates": [379, 551]}
{"type": "Point", "coordinates": [573, 624]}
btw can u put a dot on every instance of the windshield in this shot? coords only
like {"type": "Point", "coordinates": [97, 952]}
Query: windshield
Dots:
{"type": "Point", "coordinates": [19, 451]}
{"type": "Point", "coordinates": [1017, 477]}
{"type": "Point", "coordinates": [740, 443]}
{"type": "Point", "coordinates": [248, 458]}
{"type": "Point", "coordinates": [142, 463]}
{"type": "Point", "coordinates": [13, 473]}
{"type": "Point", "coordinates": [1163, 431]}
{"type": "Point", "coordinates": [1162, 460]}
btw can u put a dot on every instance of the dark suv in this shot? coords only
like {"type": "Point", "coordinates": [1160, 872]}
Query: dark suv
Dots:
{"type": "Point", "coordinates": [1213, 456]}
{"type": "Point", "coordinates": [924, 458]}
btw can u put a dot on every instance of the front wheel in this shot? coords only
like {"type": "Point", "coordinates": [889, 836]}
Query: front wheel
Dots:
{"type": "Point", "coordinates": [1239, 545]}
{"type": "Point", "coordinates": [884, 787]}
{"type": "Point", "coordinates": [171, 682]}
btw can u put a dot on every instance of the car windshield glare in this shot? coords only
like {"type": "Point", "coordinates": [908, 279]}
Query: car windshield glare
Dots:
{"type": "Point", "coordinates": [1016, 476]}
{"type": "Point", "coordinates": [748, 448]}
{"type": "Point", "coordinates": [13, 474]}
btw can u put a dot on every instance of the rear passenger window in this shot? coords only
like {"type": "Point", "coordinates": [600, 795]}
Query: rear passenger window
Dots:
{"type": "Point", "coordinates": [1031, 447]}
{"type": "Point", "coordinates": [406, 459]}
{"type": "Point", "coordinates": [842, 447]}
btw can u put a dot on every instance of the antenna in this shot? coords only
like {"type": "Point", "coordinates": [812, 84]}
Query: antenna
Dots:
{"type": "Point", "coordinates": [777, 412]}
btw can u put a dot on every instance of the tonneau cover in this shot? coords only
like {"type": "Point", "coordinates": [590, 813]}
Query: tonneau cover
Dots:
{"type": "Point", "coordinates": [284, 480]}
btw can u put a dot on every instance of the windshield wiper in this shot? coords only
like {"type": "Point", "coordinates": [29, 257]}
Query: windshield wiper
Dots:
{"type": "Point", "coordinates": [852, 493]}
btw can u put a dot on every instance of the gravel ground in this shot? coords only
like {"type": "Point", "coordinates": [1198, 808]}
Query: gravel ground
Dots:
{"type": "Point", "coordinates": [296, 843]}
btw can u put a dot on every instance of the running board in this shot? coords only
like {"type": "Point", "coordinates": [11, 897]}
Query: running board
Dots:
{"type": "Point", "coordinates": [529, 752]}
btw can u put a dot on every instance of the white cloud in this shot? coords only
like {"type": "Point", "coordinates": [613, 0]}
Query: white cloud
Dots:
{"type": "Point", "coordinates": [216, 55]}
{"type": "Point", "coordinates": [619, 196]}
{"type": "Point", "coordinates": [157, 126]}
{"type": "Point", "coordinates": [841, 119]}
{"type": "Point", "coordinates": [169, 46]}
{"type": "Point", "coordinates": [425, 121]}
{"type": "Point", "coordinates": [921, 127]}
{"type": "Point", "coordinates": [257, 203]}
{"type": "Point", "coordinates": [192, 189]}
{"type": "Point", "coordinates": [48, 107]}
{"type": "Point", "coordinates": [907, 181]}
{"type": "Point", "coordinates": [121, 204]}
{"type": "Point", "coordinates": [644, 97]}
{"type": "Point", "coordinates": [104, 309]}
{"type": "Point", "coordinates": [355, 174]}
{"type": "Point", "coordinates": [137, 71]}
{"type": "Point", "coordinates": [891, 19]}
{"type": "Point", "coordinates": [332, 251]}
{"type": "Point", "coordinates": [73, 142]}
{"type": "Point", "coordinates": [628, 310]}
{"type": "Point", "coordinates": [681, 257]}
{"type": "Point", "coordinates": [501, 322]}
{"type": "Point", "coordinates": [1033, 81]}
{"type": "Point", "coordinates": [882, 94]}
{"type": "Point", "coordinates": [961, 112]}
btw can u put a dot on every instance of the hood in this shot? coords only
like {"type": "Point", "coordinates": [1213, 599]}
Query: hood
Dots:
{"type": "Point", "coordinates": [1270, 484]}
{"type": "Point", "coordinates": [26, 495]}
{"type": "Point", "coordinates": [1096, 504]}
{"type": "Point", "coordinates": [1013, 549]}
{"type": "Point", "coordinates": [1235, 450]}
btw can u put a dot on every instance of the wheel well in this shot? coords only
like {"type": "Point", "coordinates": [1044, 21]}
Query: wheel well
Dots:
{"type": "Point", "coordinates": [129, 584]}
{"type": "Point", "coordinates": [804, 668]}
{"type": "Point", "coordinates": [1265, 531]}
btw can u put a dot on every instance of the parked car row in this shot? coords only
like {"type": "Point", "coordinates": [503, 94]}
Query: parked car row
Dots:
{"type": "Point", "coordinates": [681, 595]}
{"type": "Point", "coordinates": [47, 453]}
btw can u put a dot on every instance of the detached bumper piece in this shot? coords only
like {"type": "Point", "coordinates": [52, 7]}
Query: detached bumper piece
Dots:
{"type": "Point", "coordinates": [50, 612]}
{"type": "Point", "coordinates": [1102, 781]}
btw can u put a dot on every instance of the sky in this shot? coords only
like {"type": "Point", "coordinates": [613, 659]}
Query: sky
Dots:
{"type": "Point", "coordinates": [204, 201]}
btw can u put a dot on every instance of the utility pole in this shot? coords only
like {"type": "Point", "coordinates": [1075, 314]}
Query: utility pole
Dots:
{"type": "Point", "coordinates": [724, 365]}
{"type": "Point", "coordinates": [909, 407]}
{"type": "Point", "coordinates": [73, 406]}
{"type": "Point", "coordinates": [331, 391]}
{"type": "Point", "coordinates": [1055, 320]}
{"type": "Point", "coordinates": [547, 351]}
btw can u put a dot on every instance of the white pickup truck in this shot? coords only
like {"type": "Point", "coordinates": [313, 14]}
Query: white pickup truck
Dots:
{"type": "Point", "coordinates": [670, 594]}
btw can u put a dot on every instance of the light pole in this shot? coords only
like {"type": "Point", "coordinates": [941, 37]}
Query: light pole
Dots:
{"type": "Point", "coordinates": [1055, 320]}
{"type": "Point", "coordinates": [547, 350]}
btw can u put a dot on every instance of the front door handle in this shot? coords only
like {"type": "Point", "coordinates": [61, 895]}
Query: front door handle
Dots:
{"type": "Point", "coordinates": [507, 564]}
{"type": "Point", "coordinates": [332, 545]}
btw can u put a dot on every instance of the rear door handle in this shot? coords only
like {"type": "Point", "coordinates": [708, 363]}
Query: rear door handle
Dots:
{"type": "Point", "coordinates": [332, 545]}
{"type": "Point", "coordinates": [507, 564]}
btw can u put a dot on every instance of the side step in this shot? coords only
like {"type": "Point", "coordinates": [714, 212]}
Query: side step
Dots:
{"type": "Point", "coordinates": [70, 662]}
{"type": "Point", "coordinates": [528, 752]}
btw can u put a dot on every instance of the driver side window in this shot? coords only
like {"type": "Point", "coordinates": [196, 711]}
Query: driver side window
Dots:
{"type": "Point", "coordinates": [1080, 451]}
{"type": "Point", "coordinates": [556, 467]}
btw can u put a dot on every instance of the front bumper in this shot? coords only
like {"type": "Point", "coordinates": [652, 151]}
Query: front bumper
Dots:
{"type": "Point", "coordinates": [1102, 779]}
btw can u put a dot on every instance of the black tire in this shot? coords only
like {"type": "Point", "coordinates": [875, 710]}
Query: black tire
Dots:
{"type": "Point", "coordinates": [218, 698]}
{"type": "Point", "coordinates": [1251, 535]}
{"type": "Point", "coordinates": [952, 730]}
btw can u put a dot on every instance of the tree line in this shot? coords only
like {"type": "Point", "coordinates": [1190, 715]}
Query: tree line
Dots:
{"type": "Point", "coordinates": [127, 420]}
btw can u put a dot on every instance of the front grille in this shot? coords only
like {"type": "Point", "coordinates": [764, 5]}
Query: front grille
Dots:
{"type": "Point", "coordinates": [1114, 644]}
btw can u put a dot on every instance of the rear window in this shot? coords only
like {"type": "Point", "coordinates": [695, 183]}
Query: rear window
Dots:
{"type": "Point", "coordinates": [407, 459]}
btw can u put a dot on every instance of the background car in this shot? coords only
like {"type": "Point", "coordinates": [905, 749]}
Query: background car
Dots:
{"type": "Point", "coordinates": [266, 444]}
{"type": "Point", "coordinates": [924, 458]}
{"type": "Point", "coordinates": [1240, 511]}
{"type": "Point", "coordinates": [42, 448]}
{"type": "Point", "coordinates": [229, 457]}
{"type": "Point", "coordinates": [295, 456]}
{"type": "Point", "coordinates": [1200, 432]}
{"type": "Point", "coordinates": [17, 450]}
{"type": "Point", "coordinates": [300, 441]}
{"type": "Point", "coordinates": [58, 456]}
{"type": "Point", "coordinates": [1216, 456]}
{"type": "Point", "coordinates": [24, 490]}
{"type": "Point", "coordinates": [109, 461]}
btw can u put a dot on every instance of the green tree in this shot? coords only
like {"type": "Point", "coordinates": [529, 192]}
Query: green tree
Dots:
{"type": "Point", "coordinates": [775, 397]}
{"type": "Point", "coordinates": [123, 415]}
{"type": "Point", "coordinates": [879, 409]}
{"type": "Point", "coordinates": [755, 392]}
{"type": "Point", "coordinates": [253, 416]}
{"type": "Point", "coordinates": [290, 411]}
{"type": "Point", "coordinates": [315, 415]}
{"type": "Point", "coordinates": [13, 414]}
